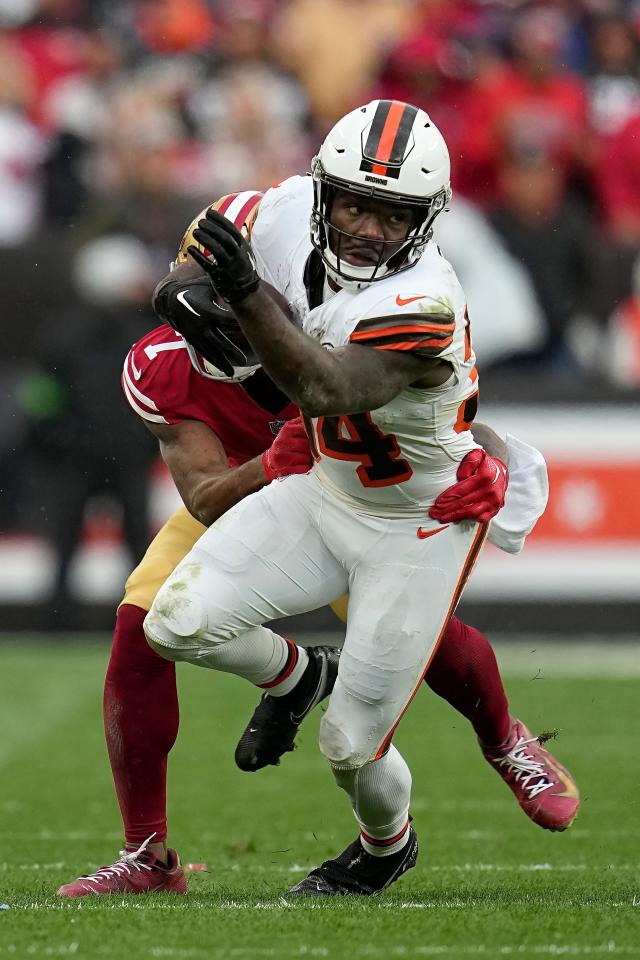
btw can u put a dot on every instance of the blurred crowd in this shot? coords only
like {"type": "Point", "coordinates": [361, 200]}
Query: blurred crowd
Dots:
{"type": "Point", "coordinates": [120, 119]}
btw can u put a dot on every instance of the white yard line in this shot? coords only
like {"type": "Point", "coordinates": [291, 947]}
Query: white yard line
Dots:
{"type": "Point", "coordinates": [607, 948]}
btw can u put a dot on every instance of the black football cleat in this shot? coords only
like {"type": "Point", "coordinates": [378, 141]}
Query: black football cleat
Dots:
{"type": "Point", "coordinates": [356, 873]}
{"type": "Point", "coordinates": [275, 721]}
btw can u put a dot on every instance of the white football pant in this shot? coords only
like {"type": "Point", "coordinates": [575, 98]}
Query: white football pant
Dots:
{"type": "Point", "coordinates": [292, 547]}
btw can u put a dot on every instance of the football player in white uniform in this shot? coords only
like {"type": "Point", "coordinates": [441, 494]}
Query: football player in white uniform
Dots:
{"type": "Point", "coordinates": [384, 370]}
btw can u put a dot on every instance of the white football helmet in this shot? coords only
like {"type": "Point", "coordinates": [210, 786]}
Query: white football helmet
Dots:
{"type": "Point", "coordinates": [389, 150]}
{"type": "Point", "coordinates": [217, 347]}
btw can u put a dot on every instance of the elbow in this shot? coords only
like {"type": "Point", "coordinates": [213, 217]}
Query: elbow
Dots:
{"type": "Point", "coordinates": [201, 509]}
{"type": "Point", "coordinates": [319, 409]}
{"type": "Point", "coordinates": [331, 407]}
{"type": "Point", "coordinates": [313, 410]}
{"type": "Point", "coordinates": [321, 402]}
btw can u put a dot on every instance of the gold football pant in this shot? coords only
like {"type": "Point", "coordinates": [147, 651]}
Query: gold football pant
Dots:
{"type": "Point", "coordinates": [172, 543]}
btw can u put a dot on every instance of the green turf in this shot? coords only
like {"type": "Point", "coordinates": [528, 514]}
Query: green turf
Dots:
{"type": "Point", "coordinates": [488, 882]}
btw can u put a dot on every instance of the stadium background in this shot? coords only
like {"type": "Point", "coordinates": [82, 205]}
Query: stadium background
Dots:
{"type": "Point", "coordinates": [120, 120]}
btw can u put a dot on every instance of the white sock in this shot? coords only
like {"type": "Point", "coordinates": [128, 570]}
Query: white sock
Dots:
{"type": "Point", "coordinates": [291, 670]}
{"type": "Point", "coordinates": [380, 793]}
{"type": "Point", "coordinates": [259, 655]}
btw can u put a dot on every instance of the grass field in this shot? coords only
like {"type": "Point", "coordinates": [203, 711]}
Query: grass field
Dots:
{"type": "Point", "coordinates": [488, 882]}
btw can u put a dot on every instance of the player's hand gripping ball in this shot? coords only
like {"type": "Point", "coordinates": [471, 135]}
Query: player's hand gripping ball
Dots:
{"type": "Point", "coordinates": [289, 453]}
{"type": "Point", "coordinates": [230, 265]}
{"type": "Point", "coordinates": [479, 492]}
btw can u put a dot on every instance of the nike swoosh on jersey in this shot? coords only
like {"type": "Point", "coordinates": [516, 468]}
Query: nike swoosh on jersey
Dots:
{"type": "Point", "coordinates": [137, 373]}
{"type": "Point", "coordinates": [185, 303]}
{"type": "Point", "coordinates": [423, 534]}
{"type": "Point", "coordinates": [403, 301]}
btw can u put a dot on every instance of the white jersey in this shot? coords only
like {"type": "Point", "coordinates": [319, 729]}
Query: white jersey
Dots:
{"type": "Point", "coordinates": [399, 457]}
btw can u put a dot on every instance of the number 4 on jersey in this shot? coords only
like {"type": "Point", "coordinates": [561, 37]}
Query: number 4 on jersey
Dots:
{"type": "Point", "coordinates": [357, 438]}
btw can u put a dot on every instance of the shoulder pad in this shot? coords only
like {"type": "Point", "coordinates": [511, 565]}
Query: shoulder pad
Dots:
{"type": "Point", "coordinates": [156, 374]}
{"type": "Point", "coordinates": [408, 321]}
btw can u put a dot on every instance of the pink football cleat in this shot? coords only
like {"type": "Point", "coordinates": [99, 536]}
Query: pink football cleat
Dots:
{"type": "Point", "coordinates": [545, 789]}
{"type": "Point", "coordinates": [135, 872]}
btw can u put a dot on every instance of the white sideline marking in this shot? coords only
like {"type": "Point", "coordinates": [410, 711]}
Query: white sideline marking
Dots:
{"type": "Point", "coordinates": [296, 868]}
{"type": "Point", "coordinates": [562, 432]}
{"type": "Point", "coordinates": [609, 948]}
{"type": "Point", "coordinates": [558, 572]}
{"type": "Point", "coordinates": [558, 658]}
{"type": "Point", "coordinates": [67, 835]}
{"type": "Point", "coordinates": [292, 904]}
{"type": "Point", "coordinates": [58, 865]}
{"type": "Point", "coordinates": [536, 656]}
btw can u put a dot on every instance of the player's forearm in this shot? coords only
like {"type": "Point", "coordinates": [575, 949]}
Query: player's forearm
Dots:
{"type": "Point", "coordinates": [299, 366]}
{"type": "Point", "coordinates": [207, 498]}
{"type": "Point", "coordinates": [318, 380]}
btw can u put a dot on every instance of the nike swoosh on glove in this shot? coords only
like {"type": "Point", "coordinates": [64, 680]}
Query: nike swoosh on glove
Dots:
{"type": "Point", "coordinates": [289, 453]}
{"type": "Point", "coordinates": [479, 492]}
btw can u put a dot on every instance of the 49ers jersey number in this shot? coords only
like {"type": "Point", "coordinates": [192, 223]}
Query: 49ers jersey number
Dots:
{"type": "Point", "coordinates": [357, 438]}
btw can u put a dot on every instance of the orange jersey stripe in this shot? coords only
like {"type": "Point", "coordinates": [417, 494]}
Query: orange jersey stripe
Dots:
{"type": "Point", "coordinates": [408, 328]}
{"type": "Point", "coordinates": [415, 345]}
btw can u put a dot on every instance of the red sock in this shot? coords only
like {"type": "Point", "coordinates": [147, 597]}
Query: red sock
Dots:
{"type": "Point", "coordinates": [141, 724]}
{"type": "Point", "coordinates": [464, 672]}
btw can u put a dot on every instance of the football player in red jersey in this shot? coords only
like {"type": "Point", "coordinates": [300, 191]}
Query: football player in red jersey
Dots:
{"type": "Point", "coordinates": [225, 430]}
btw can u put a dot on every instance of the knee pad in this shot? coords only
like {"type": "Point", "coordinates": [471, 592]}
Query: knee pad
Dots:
{"type": "Point", "coordinates": [179, 611]}
{"type": "Point", "coordinates": [176, 620]}
{"type": "Point", "coordinates": [338, 749]}
{"type": "Point", "coordinates": [164, 641]}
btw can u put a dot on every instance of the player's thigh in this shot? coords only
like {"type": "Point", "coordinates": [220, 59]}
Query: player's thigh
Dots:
{"type": "Point", "coordinates": [166, 550]}
{"type": "Point", "coordinates": [264, 559]}
{"type": "Point", "coordinates": [400, 600]}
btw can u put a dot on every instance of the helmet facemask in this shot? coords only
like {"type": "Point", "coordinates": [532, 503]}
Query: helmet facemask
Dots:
{"type": "Point", "coordinates": [323, 232]}
{"type": "Point", "coordinates": [218, 349]}
{"type": "Point", "coordinates": [206, 368]}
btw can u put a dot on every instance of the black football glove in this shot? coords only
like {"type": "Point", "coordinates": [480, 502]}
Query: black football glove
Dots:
{"type": "Point", "coordinates": [232, 269]}
{"type": "Point", "coordinates": [189, 307]}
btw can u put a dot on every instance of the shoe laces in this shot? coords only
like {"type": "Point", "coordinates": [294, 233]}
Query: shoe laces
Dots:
{"type": "Point", "coordinates": [127, 863]}
{"type": "Point", "coordinates": [526, 768]}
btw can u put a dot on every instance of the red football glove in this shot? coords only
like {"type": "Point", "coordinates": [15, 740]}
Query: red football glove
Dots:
{"type": "Point", "coordinates": [289, 453]}
{"type": "Point", "coordinates": [479, 492]}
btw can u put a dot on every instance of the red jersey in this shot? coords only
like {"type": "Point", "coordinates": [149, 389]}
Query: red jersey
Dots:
{"type": "Point", "coordinates": [162, 386]}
